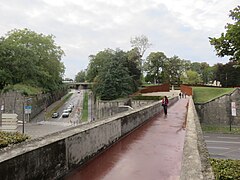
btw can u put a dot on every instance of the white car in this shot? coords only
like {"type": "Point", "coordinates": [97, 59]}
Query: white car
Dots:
{"type": "Point", "coordinates": [65, 113]}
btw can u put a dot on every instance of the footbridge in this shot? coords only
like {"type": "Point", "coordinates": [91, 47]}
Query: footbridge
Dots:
{"type": "Point", "coordinates": [141, 144]}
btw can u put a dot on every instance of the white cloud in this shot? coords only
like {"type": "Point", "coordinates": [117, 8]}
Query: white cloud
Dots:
{"type": "Point", "coordinates": [82, 28]}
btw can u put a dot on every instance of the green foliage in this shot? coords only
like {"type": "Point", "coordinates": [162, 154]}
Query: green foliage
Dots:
{"type": "Point", "coordinates": [220, 129]}
{"type": "Point", "coordinates": [228, 74]}
{"type": "Point", "coordinates": [226, 169]}
{"type": "Point", "coordinates": [85, 107]}
{"type": "Point", "coordinates": [30, 58]}
{"type": "Point", "coordinates": [174, 68]}
{"type": "Point", "coordinates": [7, 138]}
{"type": "Point", "coordinates": [206, 72]}
{"type": "Point", "coordinates": [229, 43]}
{"type": "Point", "coordinates": [191, 77]}
{"type": "Point", "coordinates": [154, 98]}
{"type": "Point", "coordinates": [154, 65]}
{"type": "Point", "coordinates": [24, 89]}
{"type": "Point", "coordinates": [205, 94]}
{"type": "Point", "coordinates": [113, 73]}
{"type": "Point", "coordinates": [81, 76]}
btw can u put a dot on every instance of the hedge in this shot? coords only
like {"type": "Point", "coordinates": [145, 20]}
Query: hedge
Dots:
{"type": "Point", "coordinates": [8, 138]}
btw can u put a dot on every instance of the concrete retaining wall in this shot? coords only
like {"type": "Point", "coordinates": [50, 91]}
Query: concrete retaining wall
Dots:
{"type": "Point", "coordinates": [218, 111]}
{"type": "Point", "coordinates": [195, 164]}
{"type": "Point", "coordinates": [13, 102]}
{"type": "Point", "coordinates": [54, 155]}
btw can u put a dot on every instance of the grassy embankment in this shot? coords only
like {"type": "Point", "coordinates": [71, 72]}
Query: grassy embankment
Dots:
{"type": "Point", "coordinates": [85, 107]}
{"type": "Point", "coordinates": [205, 94]}
{"type": "Point", "coordinates": [223, 168]}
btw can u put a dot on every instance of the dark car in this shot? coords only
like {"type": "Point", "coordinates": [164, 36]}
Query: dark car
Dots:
{"type": "Point", "coordinates": [55, 115]}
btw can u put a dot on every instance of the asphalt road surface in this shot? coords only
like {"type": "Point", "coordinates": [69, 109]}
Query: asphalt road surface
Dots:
{"type": "Point", "coordinates": [223, 146]}
{"type": "Point", "coordinates": [40, 126]}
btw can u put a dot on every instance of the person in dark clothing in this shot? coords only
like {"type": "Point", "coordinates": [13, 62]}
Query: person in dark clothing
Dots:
{"type": "Point", "coordinates": [165, 104]}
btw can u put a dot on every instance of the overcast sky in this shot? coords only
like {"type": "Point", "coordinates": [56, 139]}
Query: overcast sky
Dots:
{"type": "Point", "coordinates": [85, 27]}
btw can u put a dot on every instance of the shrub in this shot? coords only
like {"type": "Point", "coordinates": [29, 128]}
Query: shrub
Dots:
{"type": "Point", "coordinates": [226, 168]}
{"type": "Point", "coordinates": [8, 138]}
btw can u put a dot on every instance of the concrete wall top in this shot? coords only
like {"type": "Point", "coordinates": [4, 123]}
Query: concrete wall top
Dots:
{"type": "Point", "coordinates": [16, 150]}
{"type": "Point", "coordinates": [195, 164]}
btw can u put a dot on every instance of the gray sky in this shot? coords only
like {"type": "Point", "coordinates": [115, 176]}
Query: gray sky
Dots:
{"type": "Point", "coordinates": [85, 27]}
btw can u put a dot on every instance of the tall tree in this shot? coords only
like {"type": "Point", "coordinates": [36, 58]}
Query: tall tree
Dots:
{"type": "Point", "coordinates": [154, 65]}
{"type": "Point", "coordinates": [30, 58]}
{"type": "Point", "coordinates": [113, 80]}
{"type": "Point", "coordinates": [141, 44]}
{"type": "Point", "coordinates": [191, 77]}
{"type": "Point", "coordinates": [81, 76]}
{"type": "Point", "coordinates": [97, 62]}
{"type": "Point", "coordinates": [228, 74]}
{"type": "Point", "coordinates": [229, 43]}
{"type": "Point", "coordinates": [204, 70]}
{"type": "Point", "coordinates": [174, 69]}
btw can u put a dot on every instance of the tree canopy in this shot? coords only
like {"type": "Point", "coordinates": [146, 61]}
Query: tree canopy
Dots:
{"type": "Point", "coordinates": [228, 44]}
{"type": "Point", "coordinates": [114, 73]}
{"type": "Point", "coordinates": [30, 58]}
{"type": "Point", "coordinates": [81, 76]}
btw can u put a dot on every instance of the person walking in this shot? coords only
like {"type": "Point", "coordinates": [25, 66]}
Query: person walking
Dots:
{"type": "Point", "coordinates": [165, 104]}
{"type": "Point", "coordinates": [180, 95]}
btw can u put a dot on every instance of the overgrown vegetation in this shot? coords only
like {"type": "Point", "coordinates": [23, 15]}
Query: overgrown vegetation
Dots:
{"type": "Point", "coordinates": [29, 58]}
{"type": "Point", "coordinates": [226, 169]}
{"type": "Point", "coordinates": [205, 94]}
{"type": "Point", "coordinates": [24, 89]}
{"type": "Point", "coordinates": [220, 129]}
{"type": "Point", "coordinates": [8, 138]}
{"type": "Point", "coordinates": [85, 107]}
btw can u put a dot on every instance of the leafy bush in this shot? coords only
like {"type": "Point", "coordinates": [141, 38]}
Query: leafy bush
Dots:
{"type": "Point", "coordinates": [24, 89]}
{"type": "Point", "coordinates": [155, 98]}
{"type": "Point", "coordinates": [7, 138]}
{"type": "Point", "coordinates": [226, 169]}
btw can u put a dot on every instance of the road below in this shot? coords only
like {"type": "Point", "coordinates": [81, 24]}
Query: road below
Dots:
{"type": "Point", "coordinates": [40, 126]}
{"type": "Point", "coordinates": [223, 146]}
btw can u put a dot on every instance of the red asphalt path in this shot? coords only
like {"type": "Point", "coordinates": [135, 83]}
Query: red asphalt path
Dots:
{"type": "Point", "coordinates": [152, 152]}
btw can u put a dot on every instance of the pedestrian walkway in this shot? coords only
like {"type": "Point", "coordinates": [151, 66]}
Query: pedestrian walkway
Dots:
{"type": "Point", "coordinates": [152, 152]}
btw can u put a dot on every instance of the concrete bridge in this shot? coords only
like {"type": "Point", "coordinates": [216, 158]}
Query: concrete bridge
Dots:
{"type": "Point", "coordinates": [78, 85]}
{"type": "Point", "coordinates": [158, 147]}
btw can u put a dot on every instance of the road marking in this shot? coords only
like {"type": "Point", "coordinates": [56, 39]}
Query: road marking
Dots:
{"type": "Point", "coordinates": [212, 147]}
{"type": "Point", "coordinates": [208, 141]}
{"type": "Point", "coordinates": [228, 137]}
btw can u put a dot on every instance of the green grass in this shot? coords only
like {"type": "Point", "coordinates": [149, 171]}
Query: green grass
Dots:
{"type": "Point", "coordinates": [220, 129]}
{"type": "Point", "coordinates": [85, 107]}
{"type": "Point", "coordinates": [205, 94]}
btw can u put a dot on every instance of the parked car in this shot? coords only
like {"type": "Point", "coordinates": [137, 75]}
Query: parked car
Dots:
{"type": "Point", "coordinates": [55, 115]}
{"type": "Point", "coordinates": [65, 113]}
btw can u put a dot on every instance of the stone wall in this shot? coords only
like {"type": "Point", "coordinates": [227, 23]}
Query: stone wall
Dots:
{"type": "Point", "coordinates": [105, 109]}
{"type": "Point", "coordinates": [195, 163]}
{"type": "Point", "coordinates": [14, 102]}
{"type": "Point", "coordinates": [218, 111]}
{"type": "Point", "coordinates": [55, 155]}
